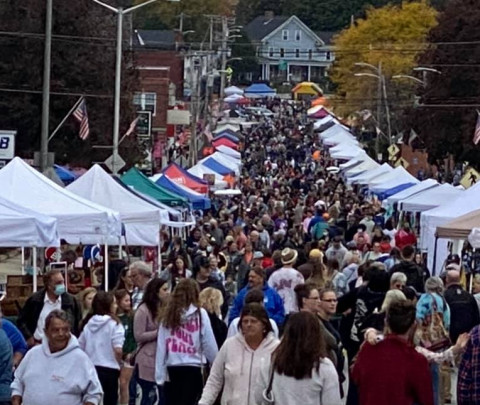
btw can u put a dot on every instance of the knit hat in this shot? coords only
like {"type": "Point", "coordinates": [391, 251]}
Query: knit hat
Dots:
{"type": "Point", "coordinates": [289, 256]}
{"type": "Point", "coordinates": [315, 254]}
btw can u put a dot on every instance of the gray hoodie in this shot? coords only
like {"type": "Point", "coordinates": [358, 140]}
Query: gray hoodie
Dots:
{"type": "Point", "coordinates": [67, 377]}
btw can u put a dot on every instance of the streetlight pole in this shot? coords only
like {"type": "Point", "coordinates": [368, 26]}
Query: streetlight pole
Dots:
{"type": "Point", "coordinates": [224, 55]}
{"type": "Point", "coordinates": [118, 72]}
{"type": "Point", "coordinates": [46, 87]}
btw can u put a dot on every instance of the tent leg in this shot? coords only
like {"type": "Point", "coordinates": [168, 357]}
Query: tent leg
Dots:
{"type": "Point", "coordinates": [23, 261]}
{"type": "Point", "coordinates": [435, 257]}
{"type": "Point", "coordinates": [120, 248]}
{"type": "Point", "coordinates": [35, 286]}
{"type": "Point", "coordinates": [159, 255]}
{"type": "Point", "coordinates": [105, 258]}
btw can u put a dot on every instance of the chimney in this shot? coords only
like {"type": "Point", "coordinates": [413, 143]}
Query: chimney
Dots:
{"type": "Point", "coordinates": [269, 14]}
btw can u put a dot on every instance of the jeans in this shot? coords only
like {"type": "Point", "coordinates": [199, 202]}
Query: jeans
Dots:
{"type": "Point", "coordinates": [149, 392]}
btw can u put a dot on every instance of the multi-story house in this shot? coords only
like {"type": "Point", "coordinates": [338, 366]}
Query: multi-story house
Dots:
{"type": "Point", "coordinates": [289, 51]}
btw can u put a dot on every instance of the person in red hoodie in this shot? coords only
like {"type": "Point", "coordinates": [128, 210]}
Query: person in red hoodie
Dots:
{"type": "Point", "coordinates": [392, 372]}
{"type": "Point", "coordinates": [405, 236]}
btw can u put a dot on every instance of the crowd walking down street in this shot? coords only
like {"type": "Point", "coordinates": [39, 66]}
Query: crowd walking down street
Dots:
{"type": "Point", "coordinates": [301, 290]}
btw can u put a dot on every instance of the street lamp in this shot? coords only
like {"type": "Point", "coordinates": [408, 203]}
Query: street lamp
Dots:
{"type": "Point", "coordinates": [120, 11]}
{"type": "Point", "coordinates": [410, 78]}
{"type": "Point", "coordinates": [381, 91]}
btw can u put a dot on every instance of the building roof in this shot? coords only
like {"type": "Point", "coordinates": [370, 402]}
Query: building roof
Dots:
{"type": "Point", "coordinates": [261, 26]}
{"type": "Point", "coordinates": [162, 39]}
{"type": "Point", "coordinates": [326, 36]}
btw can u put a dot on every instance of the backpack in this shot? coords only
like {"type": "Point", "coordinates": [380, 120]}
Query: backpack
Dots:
{"type": "Point", "coordinates": [431, 331]}
{"type": "Point", "coordinates": [318, 230]}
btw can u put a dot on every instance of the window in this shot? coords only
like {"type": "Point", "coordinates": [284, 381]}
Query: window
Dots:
{"type": "Point", "coordinates": [310, 54]}
{"type": "Point", "coordinates": [285, 35]}
{"type": "Point", "coordinates": [297, 53]}
{"type": "Point", "coordinates": [270, 52]}
{"type": "Point", "coordinates": [145, 102]}
{"type": "Point", "coordinates": [298, 35]}
{"type": "Point", "coordinates": [282, 53]}
{"type": "Point", "coordinates": [328, 56]}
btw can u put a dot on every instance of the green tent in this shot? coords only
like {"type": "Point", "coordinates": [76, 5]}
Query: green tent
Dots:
{"type": "Point", "coordinates": [141, 183]}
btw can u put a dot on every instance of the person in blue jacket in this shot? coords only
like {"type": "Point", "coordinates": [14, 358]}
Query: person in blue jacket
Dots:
{"type": "Point", "coordinates": [272, 301]}
{"type": "Point", "coordinates": [18, 342]}
{"type": "Point", "coordinates": [6, 368]}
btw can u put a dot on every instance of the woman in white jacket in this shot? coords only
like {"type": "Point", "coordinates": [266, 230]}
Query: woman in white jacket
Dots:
{"type": "Point", "coordinates": [184, 345]}
{"type": "Point", "coordinates": [300, 372]}
{"type": "Point", "coordinates": [237, 366]}
{"type": "Point", "coordinates": [102, 339]}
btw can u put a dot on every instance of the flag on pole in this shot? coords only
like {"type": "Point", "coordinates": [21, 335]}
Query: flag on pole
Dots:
{"type": "Point", "coordinates": [132, 127]}
{"type": "Point", "coordinates": [413, 136]}
{"type": "Point", "coordinates": [81, 115]}
{"type": "Point", "coordinates": [476, 135]}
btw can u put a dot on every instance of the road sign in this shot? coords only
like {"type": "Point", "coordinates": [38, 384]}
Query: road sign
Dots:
{"type": "Point", "coordinates": [7, 144]}
{"type": "Point", "coordinates": [402, 162]}
{"type": "Point", "coordinates": [393, 150]}
{"type": "Point", "coordinates": [470, 178]}
{"type": "Point", "coordinates": [119, 163]}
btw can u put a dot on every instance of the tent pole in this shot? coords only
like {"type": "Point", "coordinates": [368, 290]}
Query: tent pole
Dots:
{"type": "Point", "coordinates": [435, 256]}
{"type": "Point", "coordinates": [159, 256]}
{"type": "Point", "coordinates": [105, 258]}
{"type": "Point", "coordinates": [23, 261]}
{"type": "Point", "coordinates": [35, 286]}
{"type": "Point", "coordinates": [120, 248]}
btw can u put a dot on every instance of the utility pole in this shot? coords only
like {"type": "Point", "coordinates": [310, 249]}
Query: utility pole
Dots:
{"type": "Point", "coordinates": [379, 108]}
{"type": "Point", "coordinates": [194, 107]}
{"type": "Point", "coordinates": [387, 110]}
{"type": "Point", "coordinates": [223, 50]}
{"type": "Point", "coordinates": [46, 87]}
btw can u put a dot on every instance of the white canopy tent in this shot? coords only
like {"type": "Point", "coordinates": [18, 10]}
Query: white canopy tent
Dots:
{"type": "Point", "coordinates": [225, 160]}
{"type": "Point", "coordinates": [141, 219]}
{"type": "Point", "coordinates": [369, 175]}
{"type": "Point", "coordinates": [336, 130]}
{"type": "Point", "coordinates": [346, 151]}
{"type": "Point", "coordinates": [467, 201]}
{"type": "Point", "coordinates": [233, 98]}
{"type": "Point", "coordinates": [79, 220]}
{"type": "Point", "coordinates": [411, 191]}
{"type": "Point", "coordinates": [430, 198]}
{"type": "Point", "coordinates": [22, 227]}
{"type": "Point", "coordinates": [360, 158]}
{"type": "Point", "coordinates": [322, 121]}
{"type": "Point", "coordinates": [231, 90]}
{"type": "Point", "coordinates": [229, 151]}
{"type": "Point", "coordinates": [392, 179]}
{"type": "Point", "coordinates": [363, 167]}
{"type": "Point", "coordinates": [340, 139]}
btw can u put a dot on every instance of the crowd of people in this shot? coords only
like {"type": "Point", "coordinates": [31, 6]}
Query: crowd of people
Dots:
{"type": "Point", "coordinates": [299, 291]}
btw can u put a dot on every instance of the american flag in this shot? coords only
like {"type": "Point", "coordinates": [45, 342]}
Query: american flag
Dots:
{"type": "Point", "coordinates": [476, 135]}
{"type": "Point", "coordinates": [81, 115]}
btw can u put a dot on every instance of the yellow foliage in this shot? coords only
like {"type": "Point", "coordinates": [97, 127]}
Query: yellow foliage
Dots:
{"type": "Point", "coordinates": [392, 35]}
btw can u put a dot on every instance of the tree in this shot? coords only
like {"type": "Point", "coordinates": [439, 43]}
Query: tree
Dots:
{"type": "Point", "coordinates": [83, 58]}
{"type": "Point", "coordinates": [454, 51]}
{"type": "Point", "coordinates": [247, 10]}
{"type": "Point", "coordinates": [391, 36]}
{"type": "Point", "coordinates": [243, 48]}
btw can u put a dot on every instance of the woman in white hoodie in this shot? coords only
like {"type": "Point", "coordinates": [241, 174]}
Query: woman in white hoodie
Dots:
{"type": "Point", "coordinates": [102, 339]}
{"type": "Point", "coordinates": [300, 372]}
{"type": "Point", "coordinates": [185, 343]}
{"type": "Point", "coordinates": [237, 366]}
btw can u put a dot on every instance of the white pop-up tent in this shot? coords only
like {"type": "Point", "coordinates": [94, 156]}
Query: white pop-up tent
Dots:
{"type": "Point", "coordinates": [78, 220]}
{"type": "Point", "coordinates": [340, 139]}
{"type": "Point", "coordinates": [228, 151]}
{"type": "Point", "coordinates": [336, 130]}
{"type": "Point", "coordinates": [467, 201]}
{"type": "Point", "coordinates": [225, 160]}
{"type": "Point", "coordinates": [22, 227]}
{"type": "Point", "coordinates": [367, 165]}
{"type": "Point", "coordinates": [360, 158]}
{"type": "Point", "coordinates": [199, 170]}
{"type": "Point", "coordinates": [369, 175]}
{"type": "Point", "coordinates": [430, 198]}
{"type": "Point", "coordinates": [231, 90]}
{"type": "Point", "coordinates": [141, 219]}
{"type": "Point", "coordinates": [345, 151]}
{"type": "Point", "coordinates": [322, 121]}
{"type": "Point", "coordinates": [391, 179]}
{"type": "Point", "coordinates": [409, 192]}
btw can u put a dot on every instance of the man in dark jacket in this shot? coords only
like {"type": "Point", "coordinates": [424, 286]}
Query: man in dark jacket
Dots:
{"type": "Point", "coordinates": [31, 319]}
{"type": "Point", "coordinates": [416, 275]}
{"type": "Point", "coordinates": [464, 313]}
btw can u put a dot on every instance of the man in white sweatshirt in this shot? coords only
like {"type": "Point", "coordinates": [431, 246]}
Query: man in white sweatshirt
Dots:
{"type": "Point", "coordinates": [57, 371]}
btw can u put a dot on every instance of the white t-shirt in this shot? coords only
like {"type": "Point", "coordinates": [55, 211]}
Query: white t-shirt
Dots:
{"type": "Point", "coordinates": [284, 281]}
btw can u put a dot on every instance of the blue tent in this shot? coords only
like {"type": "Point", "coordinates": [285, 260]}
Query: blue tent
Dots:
{"type": "Point", "coordinates": [64, 174]}
{"type": "Point", "coordinates": [212, 164]}
{"type": "Point", "coordinates": [232, 138]}
{"type": "Point", "coordinates": [382, 194]}
{"type": "Point", "coordinates": [198, 201]}
{"type": "Point", "coordinates": [259, 90]}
